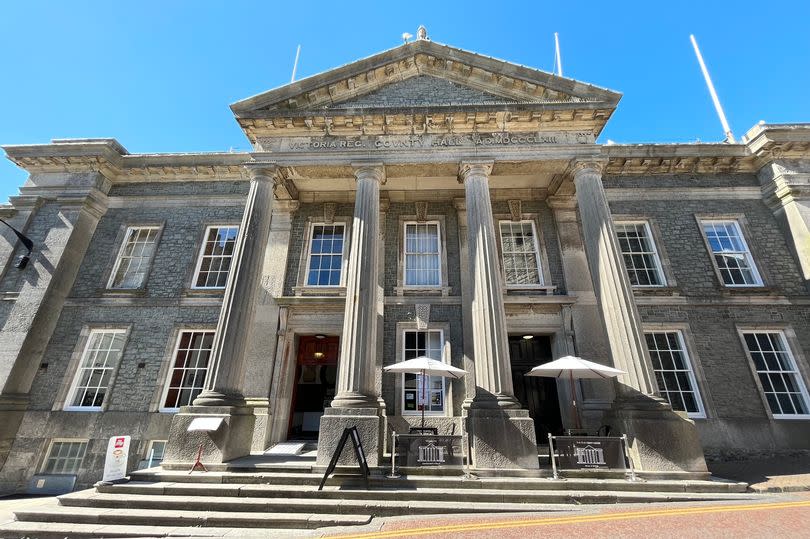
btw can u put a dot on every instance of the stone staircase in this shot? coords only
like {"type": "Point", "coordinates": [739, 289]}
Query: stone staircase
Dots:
{"type": "Point", "coordinates": [255, 497]}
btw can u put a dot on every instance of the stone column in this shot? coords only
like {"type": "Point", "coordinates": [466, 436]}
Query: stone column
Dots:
{"type": "Point", "coordinates": [261, 359]}
{"type": "Point", "coordinates": [660, 439]}
{"type": "Point", "coordinates": [223, 396]}
{"type": "Point", "coordinates": [356, 402]}
{"type": "Point", "coordinates": [502, 434]}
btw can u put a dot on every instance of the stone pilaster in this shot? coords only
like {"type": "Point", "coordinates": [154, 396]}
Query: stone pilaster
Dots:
{"type": "Point", "coordinates": [786, 190]}
{"type": "Point", "coordinates": [356, 400]}
{"type": "Point", "coordinates": [60, 213]}
{"type": "Point", "coordinates": [223, 396]}
{"type": "Point", "coordinates": [660, 439]}
{"type": "Point", "coordinates": [501, 434]}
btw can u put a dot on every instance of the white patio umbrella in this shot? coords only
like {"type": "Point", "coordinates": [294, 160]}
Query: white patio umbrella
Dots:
{"type": "Point", "coordinates": [426, 367]}
{"type": "Point", "coordinates": [574, 367]}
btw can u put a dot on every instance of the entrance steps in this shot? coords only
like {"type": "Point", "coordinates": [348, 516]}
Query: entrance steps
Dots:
{"type": "Point", "coordinates": [244, 501]}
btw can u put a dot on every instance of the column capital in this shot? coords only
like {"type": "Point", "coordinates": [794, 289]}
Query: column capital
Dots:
{"type": "Point", "coordinates": [374, 170]}
{"type": "Point", "coordinates": [470, 168]}
{"type": "Point", "coordinates": [262, 170]}
{"type": "Point", "coordinates": [592, 166]}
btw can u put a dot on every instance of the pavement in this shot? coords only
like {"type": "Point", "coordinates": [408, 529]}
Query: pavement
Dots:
{"type": "Point", "coordinates": [784, 474]}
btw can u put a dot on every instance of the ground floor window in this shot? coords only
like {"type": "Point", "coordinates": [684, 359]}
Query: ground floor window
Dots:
{"type": "Point", "coordinates": [674, 373]}
{"type": "Point", "coordinates": [65, 457]}
{"type": "Point", "coordinates": [416, 390]}
{"type": "Point", "coordinates": [157, 448]}
{"type": "Point", "coordinates": [190, 367]}
{"type": "Point", "coordinates": [781, 381]}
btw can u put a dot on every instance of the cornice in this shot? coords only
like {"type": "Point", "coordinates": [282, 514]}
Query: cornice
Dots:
{"type": "Point", "coordinates": [630, 159]}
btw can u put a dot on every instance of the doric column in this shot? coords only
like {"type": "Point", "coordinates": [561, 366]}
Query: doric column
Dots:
{"type": "Point", "coordinates": [223, 386]}
{"type": "Point", "coordinates": [358, 343]}
{"type": "Point", "coordinates": [493, 375]}
{"type": "Point", "coordinates": [611, 285]}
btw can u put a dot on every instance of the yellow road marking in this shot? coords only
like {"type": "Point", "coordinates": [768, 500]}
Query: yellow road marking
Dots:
{"type": "Point", "coordinates": [576, 519]}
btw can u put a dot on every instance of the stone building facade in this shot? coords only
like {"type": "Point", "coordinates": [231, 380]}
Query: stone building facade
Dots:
{"type": "Point", "coordinates": [423, 201]}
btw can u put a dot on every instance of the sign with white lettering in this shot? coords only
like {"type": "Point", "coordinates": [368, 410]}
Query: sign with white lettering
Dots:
{"type": "Point", "coordinates": [424, 141]}
{"type": "Point", "coordinates": [589, 452]}
{"type": "Point", "coordinates": [115, 464]}
{"type": "Point", "coordinates": [423, 450]}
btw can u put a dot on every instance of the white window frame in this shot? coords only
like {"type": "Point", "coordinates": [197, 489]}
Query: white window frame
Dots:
{"type": "Point", "coordinates": [119, 258]}
{"type": "Point", "coordinates": [538, 258]}
{"type": "Point", "coordinates": [78, 461]}
{"type": "Point", "coordinates": [658, 266]}
{"type": "Point", "coordinates": [444, 359]}
{"type": "Point", "coordinates": [746, 253]}
{"type": "Point", "coordinates": [798, 378]}
{"type": "Point", "coordinates": [690, 371]}
{"type": "Point", "coordinates": [343, 257]}
{"type": "Point", "coordinates": [201, 256]}
{"type": "Point", "coordinates": [438, 254]}
{"type": "Point", "coordinates": [171, 369]}
{"type": "Point", "coordinates": [81, 368]}
{"type": "Point", "coordinates": [152, 445]}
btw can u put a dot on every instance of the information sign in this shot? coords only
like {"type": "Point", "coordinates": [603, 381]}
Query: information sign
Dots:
{"type": "Point", "coordinates": [424, 450]}
{"type": "Point", "coordinates": [589, 452]}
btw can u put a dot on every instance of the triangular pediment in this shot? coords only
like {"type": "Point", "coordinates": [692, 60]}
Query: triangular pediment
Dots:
{"type": "Point", "coordinates": [419, 83]}
{"type": "Point", "coordinates": [421, 91]}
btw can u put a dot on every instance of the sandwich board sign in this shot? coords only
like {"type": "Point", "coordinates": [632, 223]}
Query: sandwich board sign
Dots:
{"type": "Point", "coordinates": [115, 463]}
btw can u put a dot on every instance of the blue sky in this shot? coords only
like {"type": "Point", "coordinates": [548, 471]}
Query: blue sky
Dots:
{"type": "Point", "coordinates": [159, 75]}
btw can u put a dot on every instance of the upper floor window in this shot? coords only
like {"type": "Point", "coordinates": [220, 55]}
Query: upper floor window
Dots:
{"type": "Point", "coordinates": [640, 255]}
{"type": "Point", "coordinates": [189, 369]}
{"type": "Point", "coordinates": [731, 255]}
{"type": "Point", "coordinates": [521, 255]}
{"type": "Point", "coordinates": [65, 457]}
{"type": "Point", "coordinates": [419, 391]}
{"type": "Point", "coordinates": [673, 372]}
{"type": "Point", "coordinates": [215, 257]}
{"type": "Point", "coordinates": [99, 360]}
{"type": "Point", "coordinates": [326, 255]}
{"type": "Point", "coordinates": [134, 258]}
{"type": "Point", "coordinates": [776, 369]}
{"type": "Point", "coordinates": [423, 265]}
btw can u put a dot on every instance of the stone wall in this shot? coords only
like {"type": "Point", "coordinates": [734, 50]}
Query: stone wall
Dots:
{"type": "Point", "coordinates": [711, 314]}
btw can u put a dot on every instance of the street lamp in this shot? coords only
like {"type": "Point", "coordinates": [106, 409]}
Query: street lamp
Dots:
{"type": "Point", "coordinates": [22, 261]}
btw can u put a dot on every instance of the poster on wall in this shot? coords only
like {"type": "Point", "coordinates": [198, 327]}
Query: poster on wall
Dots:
{"type": "Point", "coordinates": [115, 463]}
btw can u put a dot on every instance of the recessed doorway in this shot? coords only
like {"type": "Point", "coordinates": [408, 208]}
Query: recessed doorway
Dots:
{"type": "Point", "coordinates": [537, 394]}
{"type": "Point", "coordinates": [315, 376]}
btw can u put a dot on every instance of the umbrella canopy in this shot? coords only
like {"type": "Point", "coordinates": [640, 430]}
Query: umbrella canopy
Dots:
{"type": "Point", "coordinates": [426, 366]}
{"type": "Point", "coordinates": [576, 367]}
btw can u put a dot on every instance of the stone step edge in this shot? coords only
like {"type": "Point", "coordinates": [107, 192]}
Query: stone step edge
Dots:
{"type": "Point", "coordinates": [721, 485]}
{"type": "Point", "coordinates": [59, 530]}
{"type": "Point", "coordinates": [186, 518]}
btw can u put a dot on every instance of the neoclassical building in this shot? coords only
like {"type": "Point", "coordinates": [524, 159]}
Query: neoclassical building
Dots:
{"type": "Point", "coordinates": [422, 201]}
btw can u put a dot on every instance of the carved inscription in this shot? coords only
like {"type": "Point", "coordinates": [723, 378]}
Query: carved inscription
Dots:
{"type": "Point", "coordinates": [423, 141]}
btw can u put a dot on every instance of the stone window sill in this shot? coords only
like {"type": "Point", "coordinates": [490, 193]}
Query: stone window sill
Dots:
{"type": "Point", "coordinates": [203, 292]}
{"type": "Point", "coordinates": [122, 292]}
{"type": "Point", "coordinates": [548, 290]}
{"type": "Point", "coordinates": [422, 290]}
{"type": "Point", "coordinates": [319, 291]}
{"type": "Point", "coordinates": [655, 291]}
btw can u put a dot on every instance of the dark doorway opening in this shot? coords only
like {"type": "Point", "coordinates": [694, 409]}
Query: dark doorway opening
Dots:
{"type": "Point", "coordinates": [315, 376]}
{"type": "Point", "coordinates": [536, 394]}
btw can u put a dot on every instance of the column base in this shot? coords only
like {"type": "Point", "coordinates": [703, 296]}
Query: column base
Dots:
{"type": "Point", "coordinates": [230, 441]}
{"type": "Point", "coordinates": [502, 439]}
{"type": "Point", "coordinates": [659, 438]}
{"type": "Point", "coordinates": [369, 426]}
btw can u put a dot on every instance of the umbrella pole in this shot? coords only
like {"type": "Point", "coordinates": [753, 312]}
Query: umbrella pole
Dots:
{"type": "Point", "coordinates": [577, 424]}
{"type": "Point", "coordinates": [424, 383]}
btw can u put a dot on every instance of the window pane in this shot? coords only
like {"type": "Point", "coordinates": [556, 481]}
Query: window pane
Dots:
{"type": "Point", "coordinates": [65, 457]}
{"type": "Point", "coordinates": [673, 371]}
{"type": "Point", "coordinates": [326, 255]}
{"type": "Point", "coordinates": [132, 264]}
{"type": "Point", "coordinates": [519, 251]}
{"type": "Point", "coordinates": [187, 377]}
{"type": "Point", "coordinates": [100, 357]}
{"type": "Point", "coordinates": [215, 257]}
{"type": "Point", "coordinates": [422, 255]}
{"type": "Point", "coordinates": [639, 253]}
{"type": "Point", "coordinates": [731, 254]}
{"type": "Point", "coordinates": [780, 380]}
{"type": "Point", "coordinates": [423, 343]}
